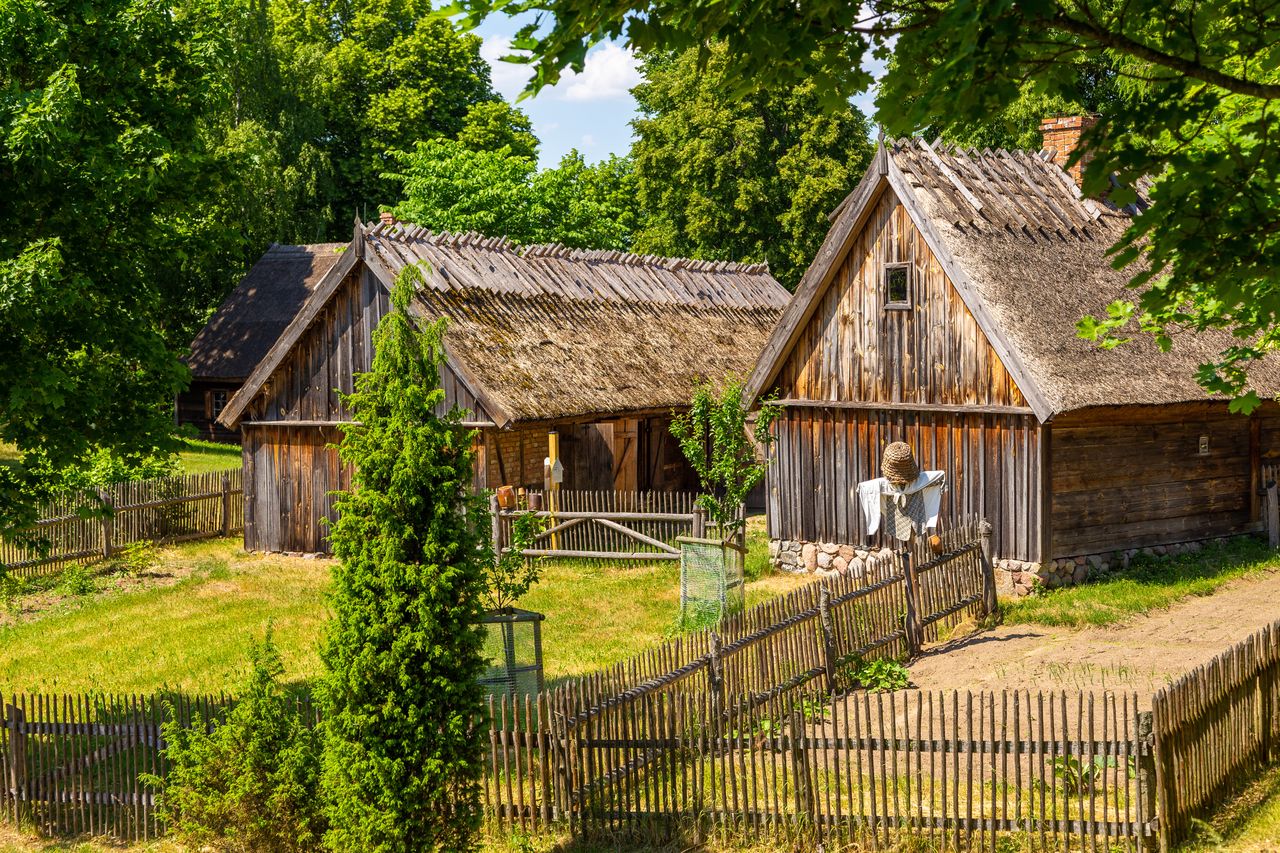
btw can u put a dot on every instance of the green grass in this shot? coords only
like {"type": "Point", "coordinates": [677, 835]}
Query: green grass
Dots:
{"type": "Point", "coordinates": [197, 457]}
{"type": "Point", "coordinates": [194, 634]}
{"type": "Point", "coordinates": [1148, 584]}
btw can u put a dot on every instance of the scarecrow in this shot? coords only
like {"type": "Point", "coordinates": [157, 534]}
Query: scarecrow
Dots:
{"type": "Point", "coordinates": [904, 499]}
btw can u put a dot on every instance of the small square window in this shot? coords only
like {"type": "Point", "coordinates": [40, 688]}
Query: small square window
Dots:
{"type": "Point", "coordinates": [218, 403]}
{"type": "Point", "coordinates": [896, 293]}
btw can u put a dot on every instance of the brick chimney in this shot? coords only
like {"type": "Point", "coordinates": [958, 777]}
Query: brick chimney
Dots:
{"type": "Point", "coordinates": [388, 218]}
{"type": "Point", "coordinates": [1062, 136]}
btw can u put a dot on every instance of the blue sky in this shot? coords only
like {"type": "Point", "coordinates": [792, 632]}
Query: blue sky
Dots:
{"type": "Point", "coordinates": [591, 111]}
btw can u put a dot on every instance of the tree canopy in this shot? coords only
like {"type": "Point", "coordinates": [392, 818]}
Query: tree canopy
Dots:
{"type": "Point", "coordinates": [451, 186]}
{"type": "Point", "coordinates": [1199, 82]}
{"type": "Point", "coordinates": [751, 179]}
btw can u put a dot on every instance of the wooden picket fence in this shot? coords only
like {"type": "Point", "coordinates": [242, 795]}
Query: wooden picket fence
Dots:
{"type": "Point", "coordinates": [958, 770]}
{"type": "Point", "coordinates": [1213, 728]}
{"type": "Point", "coordinates": [605, 526]}
{"type": "Point", "coordinates": [87, 526]}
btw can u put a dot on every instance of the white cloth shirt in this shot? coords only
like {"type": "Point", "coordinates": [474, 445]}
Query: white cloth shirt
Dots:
{"type": "Point", "coordinates": [872, 494]}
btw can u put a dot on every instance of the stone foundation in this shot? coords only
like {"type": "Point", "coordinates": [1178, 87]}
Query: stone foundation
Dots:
{"type": "Point", "coordinates": [824, 558]}
{"type": "Point", "coordinates": [1013, 577]}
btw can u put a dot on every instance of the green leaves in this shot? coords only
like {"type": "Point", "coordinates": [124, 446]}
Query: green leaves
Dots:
{"type": "Point", "coordinates": [402, 702]}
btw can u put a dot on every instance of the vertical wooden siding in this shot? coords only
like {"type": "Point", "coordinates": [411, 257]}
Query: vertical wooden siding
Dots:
{"type": "Point", "coordinates": [992, 465]}
{"type": "Point", "coordinates": [1133, 477]}
{"type": "Point", "coordinates": [853, 348]}
{"type": "Point", "coordinates": [325, 360]}
{"type": "Point", "coordinates": [289, 472]}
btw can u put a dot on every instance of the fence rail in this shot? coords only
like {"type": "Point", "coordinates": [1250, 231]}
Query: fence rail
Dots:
{"type": "Point", "coordinates": [87, 526]}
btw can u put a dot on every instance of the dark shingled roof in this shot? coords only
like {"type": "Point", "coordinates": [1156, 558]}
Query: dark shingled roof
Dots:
{"type": "Point", "coordinates": [552, 332]}
{"type": "Point", "coordinates": [251, 319]}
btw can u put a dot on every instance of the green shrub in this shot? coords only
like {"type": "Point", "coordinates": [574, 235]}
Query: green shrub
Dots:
{"type": "Point", "coordinates": [877, 675]}
{"type": "Point", "coordinates": [402, 701]}
{"type": "Point", "coordinates": [135, 558]}
{"type": "Point", "coordinates": [251, 782]}
{"type": "Point", "coordinates": [76, 579]}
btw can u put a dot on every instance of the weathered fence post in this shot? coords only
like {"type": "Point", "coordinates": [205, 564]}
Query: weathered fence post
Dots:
{"type": "Point", "coordinates": [1145, 762]}
{"type": "Point", "coordinates": [495, 525]}
{"type": "Point", "coordinates": [1273, 515]}
{"type": "Point", "coordinates": [828, 637]}
{"type": "Point", "coordinates": [990, 604]}
{"type": "Point", "coordinates": [108, 522]}
{"type": "Point", "coordinates": [911, 627]}
{"type": "Point", "coordinates": [800, 767]}
{"type": "Point", "coordinates": [17, 758]}
{"type": "Point", "coordinates": [226, 505]}
{"type": "Point", "coordinates": [715, 674]}
{"type": "Point", "coordinates": [699, 522]}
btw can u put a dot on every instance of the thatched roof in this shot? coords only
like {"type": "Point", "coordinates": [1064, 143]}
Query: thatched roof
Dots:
{"type": "Point", "coordinates": [251, 319]}
{"type": "Point", "coordinates": [546, 332]}
{"type": "Point", "coordinates": [551, 332]}
{"type": "Point", "coordinates": [1017, 239]}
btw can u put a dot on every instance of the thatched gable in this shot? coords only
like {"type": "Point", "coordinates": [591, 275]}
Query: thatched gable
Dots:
{"type": "Point", "coordinates": [252, 317]}
{"type": "Point", "coordinates": [546, 332]}
{"type": "Point", "coordinates": [1029, 257]}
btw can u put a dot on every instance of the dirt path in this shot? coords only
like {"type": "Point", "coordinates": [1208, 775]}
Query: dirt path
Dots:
{"type": "Point", "coordinates": [1141, 655]}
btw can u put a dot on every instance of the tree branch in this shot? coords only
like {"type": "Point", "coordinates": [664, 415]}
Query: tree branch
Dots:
{"type": "Point", "coordinates": [1197, 70]}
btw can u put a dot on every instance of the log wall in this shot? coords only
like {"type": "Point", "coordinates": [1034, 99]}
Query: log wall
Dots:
{"type": "Point", "coordinates": [1134, 477]}
{"type": "Point", "coordinates": [821, 454]}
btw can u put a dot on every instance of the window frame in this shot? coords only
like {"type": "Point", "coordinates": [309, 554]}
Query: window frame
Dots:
{"type": "Point", "coordinates": [214, 409]}
{"type": "Point", "coordinates": [890, 304]}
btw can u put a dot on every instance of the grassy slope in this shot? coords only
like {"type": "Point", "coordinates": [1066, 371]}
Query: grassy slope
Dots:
{"type": "Point", "coordinates": [198, 456]}
{"type": "Point", "coordinates": [1149, 584]}
{"type": "Point", "coordinates": [193, 635]}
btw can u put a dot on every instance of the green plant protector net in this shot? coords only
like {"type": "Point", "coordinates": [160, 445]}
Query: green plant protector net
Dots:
{"type": "Point", "coordinates": [711, 581]}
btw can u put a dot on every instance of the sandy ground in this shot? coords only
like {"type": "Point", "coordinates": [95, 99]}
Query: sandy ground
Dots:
{"type": "Point", "coordinates": [1139, 656]}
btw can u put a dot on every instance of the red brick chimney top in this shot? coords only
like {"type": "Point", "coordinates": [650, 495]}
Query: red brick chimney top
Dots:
{"type": "Point", "coordinates": [1062, 137]}
{"type": "Point", "coordinates": [387, 217]}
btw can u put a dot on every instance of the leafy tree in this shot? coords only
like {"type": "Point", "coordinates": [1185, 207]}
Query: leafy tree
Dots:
{"type": "Point", "coordinates": [449, 186]}
{"type": "Point", "coordinates": [493, 125]}
{"type": "Point", "coordinates": [100, 148]}
{"type": "Point", "coordinates": [1200, 80]}
{"type": "Point", "coordinates": [750, 179]}
{"type": "Point", "coordinates": [724, 449]}
{"type": "Point", "coordinates": [250, 782]}
{"type": "Point", "coordinates": [402, 701]}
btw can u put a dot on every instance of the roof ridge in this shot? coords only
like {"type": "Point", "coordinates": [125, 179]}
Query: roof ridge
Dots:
{"type": "Point", "coordinates": [475, 240]}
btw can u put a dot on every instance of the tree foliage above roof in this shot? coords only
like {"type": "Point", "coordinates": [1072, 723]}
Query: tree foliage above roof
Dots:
{"type": "Point", "coordinates": [1200, 82]}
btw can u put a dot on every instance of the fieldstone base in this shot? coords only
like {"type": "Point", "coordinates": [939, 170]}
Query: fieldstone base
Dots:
{"type": "Point", "coordinates": [1016, 578]}
{"type": "Point", "coordinates": [1013, 577]}
{"type": "Point", "coordinates": [824, 558]}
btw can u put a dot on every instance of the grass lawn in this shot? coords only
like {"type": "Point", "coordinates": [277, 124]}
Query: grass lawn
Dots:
{"type": "Point", "coordinates": [1148, 584]}
{"type": "Point", "coordinates": [187, 624]}
{"type": "Point", "coordinates": [197, 457]}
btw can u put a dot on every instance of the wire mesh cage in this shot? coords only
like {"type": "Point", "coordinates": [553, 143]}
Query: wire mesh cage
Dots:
{"type": "Point", "coordinates": [711, 580]}
{"type": "Point", "coordinates": [513, 645]}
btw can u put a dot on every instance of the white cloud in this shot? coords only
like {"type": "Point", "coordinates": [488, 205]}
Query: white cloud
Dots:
{"type": "Point", "coordinates": [509, 78]}
{"type": "Point", "coordinates": [588, 140]}
{"type": "Point", "coordinates": [609, 72]}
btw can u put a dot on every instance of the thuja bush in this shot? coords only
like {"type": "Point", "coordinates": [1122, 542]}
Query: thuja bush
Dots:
{"type": "Point", "coordinates": [249, 782]}
{"type": "Point", "coordinates": [401, 699]}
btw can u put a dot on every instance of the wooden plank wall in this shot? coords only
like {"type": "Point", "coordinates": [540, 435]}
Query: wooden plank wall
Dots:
{"type": "Point", "coordinates": [1133, 477]}
{"type": "Point", "coordinates": [289, 473]}
{"type": "Point", "coordinates": [194, 407]}
{"type": "Point", "coordinates": [992, 465]}
{"type": "Point", "coordinates": [307, 386]}
{"type": "Point", "coordinates": [855, 349]}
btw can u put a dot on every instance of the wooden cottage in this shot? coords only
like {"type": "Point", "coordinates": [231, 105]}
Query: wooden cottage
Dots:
{"type": "Point", "coordinates": [597, 346]}
{"type": "Point", "coordinates": [241, 331]}
{"type": "Point", "coordinates": [941, 310]}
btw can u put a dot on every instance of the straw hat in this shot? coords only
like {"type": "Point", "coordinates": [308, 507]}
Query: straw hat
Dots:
{"type": "Point", "coordinates": [898, 464]}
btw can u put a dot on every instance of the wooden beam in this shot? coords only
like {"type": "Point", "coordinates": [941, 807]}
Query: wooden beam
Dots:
{"type": "Point", "coordinates": [951, 176]}
{"type": "Point", "coordinates": [818, 276]}
{"type": "Point", "coordinates": [1044, 512]}
{"type": "Point", "coordinates": [959, 279]}
{"type": "Point", "coordinates": [950, 408]}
